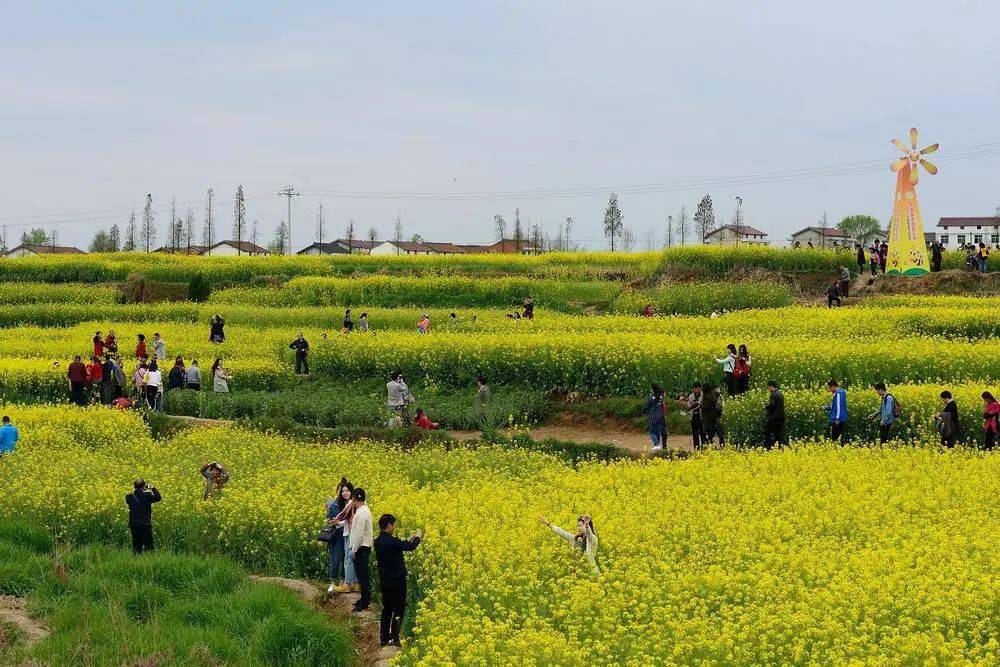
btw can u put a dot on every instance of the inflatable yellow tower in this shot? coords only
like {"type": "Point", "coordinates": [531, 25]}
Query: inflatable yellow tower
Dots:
{"type": "Point", "coordinates": [907, 250]}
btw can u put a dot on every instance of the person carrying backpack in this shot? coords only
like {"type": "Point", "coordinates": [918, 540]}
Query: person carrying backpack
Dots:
{"type": "Point", "coordinates": [888, 412]}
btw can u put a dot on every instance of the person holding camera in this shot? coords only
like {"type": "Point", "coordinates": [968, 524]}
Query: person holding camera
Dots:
{"type": "Point", "coordinates": [216, 476]}
{"type": "Point", "coordinates": [140, 515]}
{"type": "Point", "coordinates": [392, 577]}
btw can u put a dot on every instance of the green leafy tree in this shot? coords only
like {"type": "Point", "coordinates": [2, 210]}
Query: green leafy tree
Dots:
{"type": "Point", "coordinates": [34, 236]}
{"type": "Point", "coordinates": [862, 228]}
{"type": "Point", "coordinates": [199, 288]}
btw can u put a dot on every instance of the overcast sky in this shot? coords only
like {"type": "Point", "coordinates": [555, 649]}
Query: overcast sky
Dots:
{"type": "Point", "coordinates": [104, 102]}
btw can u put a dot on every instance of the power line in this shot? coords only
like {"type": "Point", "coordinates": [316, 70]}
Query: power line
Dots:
{"type": "Point", "coordinates": [847, 168]}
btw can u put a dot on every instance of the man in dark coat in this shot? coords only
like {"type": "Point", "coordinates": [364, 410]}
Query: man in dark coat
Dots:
{"type": "Point", "coordinates": [774, 416]}
{"type": "Point", "coordinates": [392, 577]}
{"type": "Point", "coordinates": [140, 515]}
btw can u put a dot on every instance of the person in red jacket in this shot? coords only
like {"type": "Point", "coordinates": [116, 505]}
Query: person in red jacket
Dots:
{"type": "Point", "coordinates": [423, 422]}
{"type": "Point", "coordinates": [77, 374]}
{"type": "Point", "coordinates": [95, 373]}
{"type": "Point", "coordinates": [140, 348]}
{"type": "Point", "coordinates": [98, 345]}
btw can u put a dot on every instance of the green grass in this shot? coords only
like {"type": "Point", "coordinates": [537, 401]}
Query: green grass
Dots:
{"type": "Point", "coordinates": [113, 608]}
{"type": "Point", "coordinates": [356, 405]}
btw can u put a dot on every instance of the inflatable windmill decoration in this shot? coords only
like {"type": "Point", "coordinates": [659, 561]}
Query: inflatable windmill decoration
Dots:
{"type": "Point", "coordinates": [907, 249]}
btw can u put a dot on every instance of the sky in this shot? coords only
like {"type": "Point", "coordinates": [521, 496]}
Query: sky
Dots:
{"type": "Point", "coordinates": [455, 102]}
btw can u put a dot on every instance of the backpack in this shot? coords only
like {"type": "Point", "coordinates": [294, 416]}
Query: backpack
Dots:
{"type": "Point", "coordinates": [897, 409]}
{"type": "Point", "coordinates": [740, 368]}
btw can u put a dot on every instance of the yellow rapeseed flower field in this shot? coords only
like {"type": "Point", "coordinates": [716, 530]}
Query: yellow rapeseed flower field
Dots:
{"type": "Point", "coordinates": [815, 554]}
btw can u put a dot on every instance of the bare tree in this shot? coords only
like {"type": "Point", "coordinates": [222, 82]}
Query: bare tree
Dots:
{"type": "Point", "coordinates": [628, 239]}
{"type": "Point", "coordinates": [372, 235]}
{"type": "Point", "coordinates": [147, 232]}
{"type": "Point", "coordinates": [172, 237]}
{"type": "Point", "coordinates": [669, 236]}
{"type": "Point", "coordinates": [536, 237]}
{"type": "Point", "coordinates": [254, 233]}
{"type": "Point", "coordinates": [319, 224]}
{"type": "Point", "coordinates": [613, 225]}
{"type": "Point", "coordinates": [208, 233]}
{"type": "Point", "coordinates": [683, 225]}
{"type": "Point", "coordinates": [350, 235]}
{"type": "Point", "coordinates": [704, 217]}
{"type": "Point", "coordinates": [518, 231]}
{"type": "Point", "coordinates": [397, 233]}
{"type": "Point", "coordinates": [189, 229]}
{"type": "Point", "coordinates": [650, 240]}
{"type": "Point", "coordinates": [239, 219]}
{"type": "Point", "coordinates": [130, 245]}
{"type": "Point", "coordinates": [501, 226]}
{"type": "Point", "coordinates": [569, 229]}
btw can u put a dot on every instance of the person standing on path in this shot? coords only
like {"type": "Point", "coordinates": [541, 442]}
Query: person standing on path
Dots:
{"type": "Point", "coordinates": [153, 382]}
{"type": "Point", "coordinates": [392, 575]}
{"type": "Point", "coordinates": [335, 550]}
{"type": "Point", "coordinates": [937, 255]}
{"type": "Point", "coordinates": [301, 347]}
{"type": "Point", "coordinates": [833, 294]}
{"type": "Point", "coordinates": [883, 256]}
{"type": "Point", "coordinates": [837, 410]}
{"type": "Point", "coordinates": [77, 374]}
{"type": "Point", "coordinates": [8, 437]}
{"type": "Point", "coordinates": [711, 416]}
{"type": "Point", "coordinates": [177, 377]}
{"type": "Point", "coordinates": [728, 364]}
{"type": "Point", "coordinates": [845, 278]}
{"type": "Point", "coordinates": [774, 416]}
{"type": "Point", "coordinates": [361, 548]}
{"type": "Point", "coordinates": [887, 413]}
{"type": "Point", "coordinates": [655, 408]}
{"type": "Point", "coordinates": [694, 410]}
{"type": "Point", "coordinates": [991, 415]}
{"type": "Point", "coordinates": [140, 515]}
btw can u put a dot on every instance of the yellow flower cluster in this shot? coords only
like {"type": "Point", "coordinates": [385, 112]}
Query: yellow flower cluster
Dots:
{"type": "Point", "coordinates": [809, 555]}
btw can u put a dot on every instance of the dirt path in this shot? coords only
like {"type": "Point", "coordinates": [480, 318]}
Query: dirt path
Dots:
{"type": "Point", "coordinates": [13, 610]}
{"type": "Point", "coordinates": [339, 606]}
{"type": "Point", "coordinates": [634, 442]}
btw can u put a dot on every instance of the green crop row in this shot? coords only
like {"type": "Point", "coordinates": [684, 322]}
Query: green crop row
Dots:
{"type": "Point", "coordinates": [702, 298]}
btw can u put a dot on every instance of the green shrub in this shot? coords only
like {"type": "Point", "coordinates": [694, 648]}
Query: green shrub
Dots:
{"type": "Point", "coordinates": [199, 289]}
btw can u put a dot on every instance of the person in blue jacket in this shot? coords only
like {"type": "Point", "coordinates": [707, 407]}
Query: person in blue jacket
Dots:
{"type": "Point", "coordinates": [8, 436]}
{"type": "Point", "coordinates": [837, 410]}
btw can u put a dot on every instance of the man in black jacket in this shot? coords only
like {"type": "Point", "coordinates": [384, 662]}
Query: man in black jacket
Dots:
{"type": "Point", "coordinates": [140, 515]}
{"type": "Point", "coordinates": [392, 577]}
{"type": "Point", "coordinates": [774, 416]}
{"type": "Point", "coordinates": [301, 347]}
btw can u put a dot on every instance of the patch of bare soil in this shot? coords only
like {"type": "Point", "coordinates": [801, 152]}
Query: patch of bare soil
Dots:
{"type": "Point", "coordinates": [307, 591]}
{"type": "Point", "coordinates": [13, 610]}
{"type": "Point", "coordinates": [966, 283]}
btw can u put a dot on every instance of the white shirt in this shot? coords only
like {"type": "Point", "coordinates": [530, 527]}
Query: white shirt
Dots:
{"type": "Point", "coordinates": [154, 378]}
{"type": "Point", "coordinates": [362, 529]}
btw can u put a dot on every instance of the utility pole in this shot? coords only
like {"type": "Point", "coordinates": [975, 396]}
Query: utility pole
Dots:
{"type": "Point", "coordinates": [739, 205]}
{"type": "Point", "coordinates": [289, 191]}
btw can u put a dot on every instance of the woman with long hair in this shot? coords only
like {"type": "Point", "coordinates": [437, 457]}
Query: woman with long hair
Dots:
{"type": "Point", "coordinates": [344, 519]}
{"type": "Point", "coordinates": [335, 548]}
{"type": "Point", "coordinates": [153, 381]}
{"type": "Point", "coordinates": [728, 363]}
{"type": "Point", "coordinates": [991, 413]}
{"type": "Point", "coordinates": [220, 377]}
{"type": "Point", "coordinates": [741, 370]}
{"type": "Point", "coordinates": [584, 539]}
